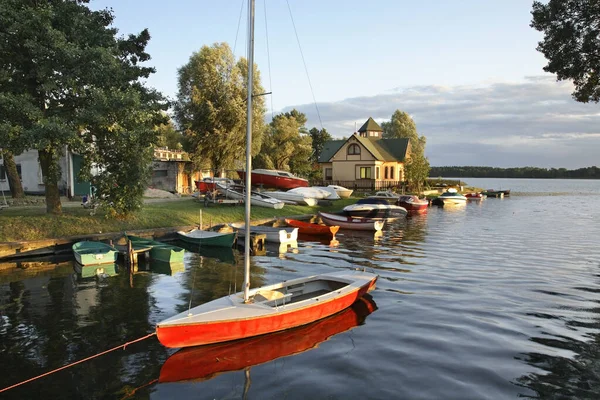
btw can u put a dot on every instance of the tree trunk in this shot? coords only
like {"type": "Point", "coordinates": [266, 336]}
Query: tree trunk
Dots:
{"type": "Point", "coordinates": [51, 172]}
{"type": "Point", "coordinates": [16, 188]}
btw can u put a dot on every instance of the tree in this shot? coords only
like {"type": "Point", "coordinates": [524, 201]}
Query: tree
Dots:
{"type": "Point", "coordinates": [571, 43]}
{"type": "Point", "coordinates": [402, 125]}
{"type": "Point", "coordinates": [10, 167]}
{"type": "Point", "coordinates": [211, 107]}
{"type": "Point", "coordinates": [417, 171]}
{"type": "Point", "coordinates": [71, 81]}
{"type": "Point", "coordinates": [319, 137]}
{"type": "Point", "coordinates": [284, 146]}
{"type": "Point", "coordinates": [169, 137]}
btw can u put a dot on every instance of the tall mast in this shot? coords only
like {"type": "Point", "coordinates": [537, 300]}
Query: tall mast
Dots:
{"type": "Point", "coordinates": [249, 147]}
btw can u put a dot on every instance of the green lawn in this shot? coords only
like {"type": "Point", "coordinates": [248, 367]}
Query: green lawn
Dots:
{"type": "Point", "coordinates": [33, 224]}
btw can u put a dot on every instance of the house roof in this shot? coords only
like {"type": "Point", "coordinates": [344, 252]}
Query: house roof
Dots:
{"type": "Point", "coordinates": [370, 125]}
{"type": "Point", "coordinates": [382, 149]}
{"type": "Point", "coordinates": [329, 149]}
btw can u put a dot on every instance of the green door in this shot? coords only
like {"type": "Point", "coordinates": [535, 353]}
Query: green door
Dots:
{"type": "Point", "coordinates": [79, 188]}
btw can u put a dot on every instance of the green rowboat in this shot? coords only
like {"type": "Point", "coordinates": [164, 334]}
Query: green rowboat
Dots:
{"type": "Point", "coordinates": [208, 238]}
{"type": "Point", "coordinates": [94, 253]}
{"type": "Point", "coordinates": [159, 251]}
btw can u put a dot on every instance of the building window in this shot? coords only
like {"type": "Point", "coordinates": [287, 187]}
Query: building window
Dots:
{"type": "Point", "coordinates": [353, 149]}
{"type": "Point", "coordinates": [365, 172]}
{"type": "Point", "coordinates": [385, 172]}
{"type": "Point", "coordinates": [328, 174]}
{"type": "Point", "coordinates": [376, 172]}
{"type": "Point", "coordinates": [3, 172]}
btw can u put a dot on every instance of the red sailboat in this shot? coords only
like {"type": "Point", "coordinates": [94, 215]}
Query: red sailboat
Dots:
{"type": "Point", "coordinates": [204, 362]}
{"type": "Point", "coordinates": [269, 309]}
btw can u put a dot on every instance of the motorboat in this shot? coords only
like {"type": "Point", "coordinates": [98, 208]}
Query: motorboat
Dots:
{"type": "Point", "coordinates": [256, 198]}
{"type": "Point", "coordinates": [451, 196]}
{"type": "Point", "coordinates": [475, 196]}
{"type": "Point", "coordinates": [275, 234]}
{"type": "Point", "coordinates": [343, 192]}
{"type": "Point", "coordinates": [388, 195]}
{"type": "Point", "coordinates": [412, 203]}
{"type": "Point", "coordinates": [272, 178]}
{"type": "Point", "coordinates": [354, 223]}
{"type": "Point", "coordinates": [375, 208]}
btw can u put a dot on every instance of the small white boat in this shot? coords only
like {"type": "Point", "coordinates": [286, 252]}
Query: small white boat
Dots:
{"type": "Point", "coordinates": [451, 196]}
{"type": "Point", "coordinates": [314, 192]}
{"type": "Point", "coordinates": [279, 234]}
{"type": "Point", "coordinates": [296, 198]}
{"type": "Point", "coordinates": [355, 223]}
{"type": "Point", "coordinates": [256, 198]}
{"type": "Point", "coordinates": [343, 192]}
{"type": "Point", "coordinates": [332, 192]}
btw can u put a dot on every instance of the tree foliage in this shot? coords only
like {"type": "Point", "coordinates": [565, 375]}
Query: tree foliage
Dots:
{"type": "Point", "coordinates": [571, 43]}
{"type": "Point", "coordinates": [285, 147]}
{"type": "Point", "coordinates": [211, 107]}
{"type": "Point", "coordinates": [401, 125]}
{"type": "Point", "coordinates": [169, 137]}
{"type": "Point", "coordinates": [319, 138]}
{"type": "Point", "coordinates": [66, 80]}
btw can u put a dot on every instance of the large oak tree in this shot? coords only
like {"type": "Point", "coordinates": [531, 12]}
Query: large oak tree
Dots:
{"type": "Point", "coordinates": [75, 84]}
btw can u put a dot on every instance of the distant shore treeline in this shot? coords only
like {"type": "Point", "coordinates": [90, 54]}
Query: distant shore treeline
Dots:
{"type": "Point", "coordinates": [521, 172]}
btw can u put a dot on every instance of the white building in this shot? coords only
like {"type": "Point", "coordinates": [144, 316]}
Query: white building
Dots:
{"type": "Point", "coordinates": [30, 172]}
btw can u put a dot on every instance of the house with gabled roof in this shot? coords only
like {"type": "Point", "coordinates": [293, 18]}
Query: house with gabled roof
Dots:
{"type": "Point", "coordinates": [365, 158]}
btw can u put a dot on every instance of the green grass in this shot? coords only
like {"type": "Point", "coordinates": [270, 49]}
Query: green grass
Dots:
{"type": "Point", "coordinates": [18, 224]}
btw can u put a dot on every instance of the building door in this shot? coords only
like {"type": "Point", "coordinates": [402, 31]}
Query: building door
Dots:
{"type": "Point", "coordinates": [79, 188]}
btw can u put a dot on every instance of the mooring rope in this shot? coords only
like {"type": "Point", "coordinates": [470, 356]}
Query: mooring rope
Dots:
{"type": "Point", "coordinates": [123, 346]}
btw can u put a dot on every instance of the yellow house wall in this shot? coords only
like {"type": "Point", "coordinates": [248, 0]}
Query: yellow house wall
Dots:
{"type": "Point", "coordinates": [346, 167]}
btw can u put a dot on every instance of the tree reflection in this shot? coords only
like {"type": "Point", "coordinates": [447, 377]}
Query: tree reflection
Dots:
{"type": "Point", "coordinates": [565, 378]}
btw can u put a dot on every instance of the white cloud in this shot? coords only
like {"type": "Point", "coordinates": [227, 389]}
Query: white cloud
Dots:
{"type": "Point", "coordinates": [534, 122]}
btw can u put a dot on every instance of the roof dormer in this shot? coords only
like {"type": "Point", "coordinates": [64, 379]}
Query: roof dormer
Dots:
{"type": "Point", "coordinates": [371, 130]}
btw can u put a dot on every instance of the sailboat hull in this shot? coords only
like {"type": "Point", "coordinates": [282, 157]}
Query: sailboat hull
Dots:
{"type": "Point", "coordinates": [234, 320]}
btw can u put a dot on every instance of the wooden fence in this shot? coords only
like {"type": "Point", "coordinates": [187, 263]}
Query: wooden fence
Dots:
{"type": "Point", "coordinates": [365, 185]}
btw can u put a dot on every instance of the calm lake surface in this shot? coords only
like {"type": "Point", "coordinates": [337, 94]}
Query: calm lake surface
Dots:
{"type": "Point", "coordinates": [497, 300]}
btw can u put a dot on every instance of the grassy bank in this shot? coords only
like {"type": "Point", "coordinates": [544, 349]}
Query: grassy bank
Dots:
{"type": "Point", "coordinates": [18, 224]}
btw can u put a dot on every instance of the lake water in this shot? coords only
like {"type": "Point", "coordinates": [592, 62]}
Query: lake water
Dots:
{"type": "Point", "coordinates": [497, 300]}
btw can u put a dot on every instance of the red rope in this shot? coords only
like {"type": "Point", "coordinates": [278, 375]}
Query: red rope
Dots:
{"type": "Point", "coordinates": [78, 362]}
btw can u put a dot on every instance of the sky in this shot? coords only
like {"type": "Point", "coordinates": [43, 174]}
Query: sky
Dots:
{"type": "Point", "coordinates": [466, 71]}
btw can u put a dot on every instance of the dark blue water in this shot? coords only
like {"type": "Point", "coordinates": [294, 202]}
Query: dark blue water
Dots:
{"type": "Point", "coordinates": [496, 300]}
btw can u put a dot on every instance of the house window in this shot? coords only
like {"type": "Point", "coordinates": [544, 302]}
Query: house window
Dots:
{"type": "Point", "coordinates": [385, 172]}
{"type": "Point", "coordinates": [353, 149]}
{"type": "Point", "coordinates": [376, 172]}
{"type": "Point", "coordinates": [328, 174]}
{"type": "Point", "coordinates": [365, 172]}
{"type": "Point", "coordinates": [3, 172]}
{"type": "Point", "coordinates": [391, 172]}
